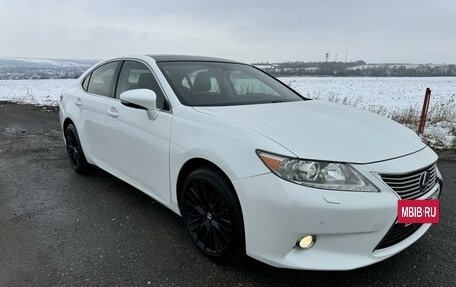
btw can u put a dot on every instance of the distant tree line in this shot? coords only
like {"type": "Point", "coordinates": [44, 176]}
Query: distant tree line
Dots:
{"type": "Point", "coordinates": [357, 69]}
{"type": "Point", "coordinates": [11, 69]}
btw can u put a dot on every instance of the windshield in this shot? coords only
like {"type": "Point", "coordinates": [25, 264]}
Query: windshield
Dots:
{"type": "Point", "coordinates": [224, 84]}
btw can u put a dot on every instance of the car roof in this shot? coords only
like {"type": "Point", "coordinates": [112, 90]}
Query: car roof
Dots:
{"type": "Point", "coordinates": [190, 58]}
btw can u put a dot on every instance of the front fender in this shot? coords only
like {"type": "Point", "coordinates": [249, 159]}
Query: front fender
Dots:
{"type": "Point", "coordinates": [229, 146]}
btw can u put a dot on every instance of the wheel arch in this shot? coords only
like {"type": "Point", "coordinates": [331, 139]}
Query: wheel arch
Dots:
{"type": "Point", "coordinates": [66, 122]}
{"type": "Point", "coordinates": [192, 164]}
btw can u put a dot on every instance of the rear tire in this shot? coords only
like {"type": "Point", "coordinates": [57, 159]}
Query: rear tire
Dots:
{"type": "Point", "coordinates": [75, 152]}
{"type": "Point", "coordinates": [212, 215]}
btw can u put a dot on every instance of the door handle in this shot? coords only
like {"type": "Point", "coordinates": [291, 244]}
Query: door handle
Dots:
{"type": "Point", "coordinates": [112, 112]}
{"type": "Point", "coordinates": [78, 102]}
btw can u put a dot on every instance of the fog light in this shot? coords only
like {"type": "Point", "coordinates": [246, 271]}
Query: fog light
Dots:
{"type": "Point", "coordinates": [306, 242]}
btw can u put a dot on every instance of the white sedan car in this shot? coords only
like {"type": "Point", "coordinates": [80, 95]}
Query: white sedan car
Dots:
{"type": "Point", "coordinates": [252, 166]}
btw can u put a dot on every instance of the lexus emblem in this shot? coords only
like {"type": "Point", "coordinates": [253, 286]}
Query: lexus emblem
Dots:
{"type": "Point", "coordinates": [424, 180]}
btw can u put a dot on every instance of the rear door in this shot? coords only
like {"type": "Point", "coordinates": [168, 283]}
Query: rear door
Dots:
{"type": "Point", "coordinates": [99, 86]}
{"type": "Point", "coordinates": [139, 145]}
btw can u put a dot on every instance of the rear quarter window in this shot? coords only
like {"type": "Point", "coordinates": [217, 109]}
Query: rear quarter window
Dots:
{"type": "Point", "coordinates": [85, 82]}
{"type": "Point", "coordinates": [102, 80]}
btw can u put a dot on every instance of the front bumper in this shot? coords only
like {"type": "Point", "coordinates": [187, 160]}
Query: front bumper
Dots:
{"type": "Point", "coordinates": [348, 225]}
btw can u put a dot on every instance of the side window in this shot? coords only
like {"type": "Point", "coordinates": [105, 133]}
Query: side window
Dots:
{"type": "Point", "coordinates": [102, 80]}
{"type": "Point", "coordinates": [136, 75]}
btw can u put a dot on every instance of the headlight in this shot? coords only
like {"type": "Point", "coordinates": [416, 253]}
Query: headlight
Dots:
{"type": "Point", "coordinates": [318, 174]}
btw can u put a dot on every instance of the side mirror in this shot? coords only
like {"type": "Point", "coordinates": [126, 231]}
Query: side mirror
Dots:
{"type": "Point", "coordinates": [141, 99]}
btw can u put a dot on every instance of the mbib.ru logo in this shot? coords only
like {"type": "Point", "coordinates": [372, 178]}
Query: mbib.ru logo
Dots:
{"type": "Point", "coordinates": [418, 211]}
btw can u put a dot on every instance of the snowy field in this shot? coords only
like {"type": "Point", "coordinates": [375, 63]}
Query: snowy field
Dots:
{"type": "Point", "coordinates": [397, 98]}
{"type": "Point", "coordinates": [39, 92]}
{"type": "Point", "coordinates": [391, 92]}
{"type": "Point", "coordinates": [363, 92]}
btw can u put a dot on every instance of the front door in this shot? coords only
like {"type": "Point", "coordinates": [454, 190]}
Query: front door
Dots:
{"type": "Point", "coordinates": [139, 146]}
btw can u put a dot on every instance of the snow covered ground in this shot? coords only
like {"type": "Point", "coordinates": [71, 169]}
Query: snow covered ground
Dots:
{"type": "Point", "coordinates": [391, 92]}
{"type": "Point", "coordinates": [39, 92]}
{"type": "Point", "coordinates": [397, 98]}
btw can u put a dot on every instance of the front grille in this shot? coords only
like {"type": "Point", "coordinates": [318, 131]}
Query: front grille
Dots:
{"type": "Point", "coordinates": [407, 185]}
{"type": "Point", "coordinates": [397, 233]}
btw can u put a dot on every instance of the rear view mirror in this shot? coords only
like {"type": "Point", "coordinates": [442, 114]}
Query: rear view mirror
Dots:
{"type": "Point", "coordinates": [141, 99]}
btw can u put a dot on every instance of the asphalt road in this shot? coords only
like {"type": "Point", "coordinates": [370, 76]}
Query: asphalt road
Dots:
{"type": "Point", "coordinates": [58, 228]}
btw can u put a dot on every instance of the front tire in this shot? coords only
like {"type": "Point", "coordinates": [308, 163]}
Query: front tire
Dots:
{"type": "Point", "coordinates": [213, 216]}
{"type": "Point", "coordinates": [75, 152]}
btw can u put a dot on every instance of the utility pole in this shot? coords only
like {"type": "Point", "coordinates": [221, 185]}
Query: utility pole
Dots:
{"type": "Point", "coordinates": [346, 54]}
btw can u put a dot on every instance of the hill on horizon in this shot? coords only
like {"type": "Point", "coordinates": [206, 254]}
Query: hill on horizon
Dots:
{"type": "Point", "coordinates": [32, 68]}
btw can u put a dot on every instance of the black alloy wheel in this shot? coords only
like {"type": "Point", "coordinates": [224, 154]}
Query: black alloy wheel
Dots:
{"type": "Point", "coordinates": [74, 150]}
{"type": "Point", "coordinates": [213, 216]}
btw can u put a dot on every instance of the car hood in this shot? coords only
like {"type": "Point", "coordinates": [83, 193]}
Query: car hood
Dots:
{"type": "Point", "coordinates": [324, 131]}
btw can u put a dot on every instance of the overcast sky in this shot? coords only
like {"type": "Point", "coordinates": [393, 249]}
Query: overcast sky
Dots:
{"type": "Point", "coordinates": [412, 31]}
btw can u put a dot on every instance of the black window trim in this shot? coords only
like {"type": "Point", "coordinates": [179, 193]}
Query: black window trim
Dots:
{"type": "Point", "coordinates": [87, 77]}
{"type": "Point", "coordinates": [117, 79]}
{"type": "Point", "coordinates": [81, 82]}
